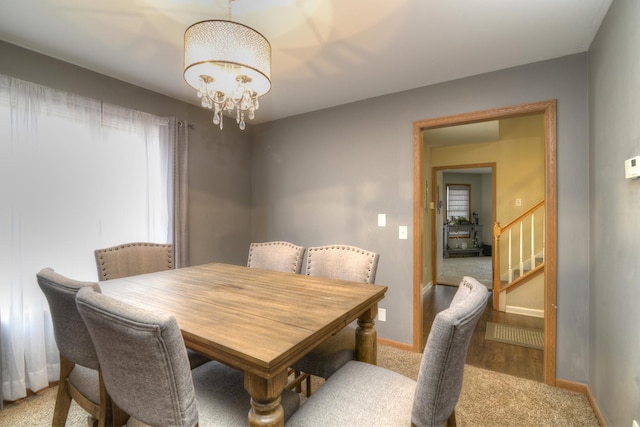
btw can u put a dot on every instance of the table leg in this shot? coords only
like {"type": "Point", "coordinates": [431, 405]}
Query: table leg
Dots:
{"type": "Point", "coordinates": [367, 337]}
{"type": "Point", "coordinates": [266, 409]}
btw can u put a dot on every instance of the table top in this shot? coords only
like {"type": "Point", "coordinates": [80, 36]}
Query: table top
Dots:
{"type": "Point", "coordinates": [251, 319]}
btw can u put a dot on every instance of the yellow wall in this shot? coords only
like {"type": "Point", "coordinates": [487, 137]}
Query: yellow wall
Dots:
{"type": "Point", "coordinates": [519, 158]}
{"type": "Point", "coordinates": [529, 296]}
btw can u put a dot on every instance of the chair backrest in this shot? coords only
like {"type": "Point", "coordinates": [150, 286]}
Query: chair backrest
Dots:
{"type": "Point", "coordinates": [276, 256]}
{"type": "Point", "coordinates": [131, 259]}
{"type": "Point", "coordinates": [143, 360]}
{"type": "Point", "coordinates": [342, 262]}
{"type": "Point", "coordinates": [441, 370]}
{"type": "Point", "coordinates": [72, 338]}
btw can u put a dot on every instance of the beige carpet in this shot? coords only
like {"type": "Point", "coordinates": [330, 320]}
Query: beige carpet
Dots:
{"type": "Point", "coordinates": [488, 399]}
{"type": "Point", "coordinates": [491, 399]}
{"type": "Point", "coordinates": [455, 268]}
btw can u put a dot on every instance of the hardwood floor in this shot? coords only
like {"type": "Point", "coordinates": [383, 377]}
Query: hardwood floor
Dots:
{"type": "Point", "coordinates": [509, 359]}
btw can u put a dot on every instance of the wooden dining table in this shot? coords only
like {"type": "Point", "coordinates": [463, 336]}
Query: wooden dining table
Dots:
{"type": "Point", "coordinates": [256, 321]}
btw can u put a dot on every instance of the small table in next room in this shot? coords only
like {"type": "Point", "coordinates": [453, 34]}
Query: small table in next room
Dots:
{"type": "Point", "coordinates": [462, 239]}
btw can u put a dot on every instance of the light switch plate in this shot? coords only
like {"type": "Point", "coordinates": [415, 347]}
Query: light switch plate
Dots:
{"type": "Point", "coordinates": [632, 168]}
{"type": "Point", "coordinates": [402, 232]}
{"type": "Point", "coordinates": [382, 220]}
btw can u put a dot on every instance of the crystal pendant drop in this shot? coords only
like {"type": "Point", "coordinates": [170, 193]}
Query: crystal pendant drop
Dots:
{"type": "Point", "coordinates": [229, 105]}
{"type": "Point", "coordinates": [245, 101]}
{"type": "Point", "coordinates": [241, 122]}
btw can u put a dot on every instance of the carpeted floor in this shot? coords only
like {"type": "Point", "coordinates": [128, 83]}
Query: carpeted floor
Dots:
{"type": "Point", "coordinates": [454, 268]}
{"type": "Point", "coordinates": [491, 399]}
{"type": "Point", "coordinates": [487, 399]}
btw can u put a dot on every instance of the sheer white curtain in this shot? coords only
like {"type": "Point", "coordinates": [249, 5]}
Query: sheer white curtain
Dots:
{"type": "Point", "coordinates": [75, 175]}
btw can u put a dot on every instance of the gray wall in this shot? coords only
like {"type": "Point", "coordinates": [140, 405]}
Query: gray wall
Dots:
{"type": "Point", "coordinates": [219, 162]}
{"type": "Point", "coordinates": [323, 177]}
{"type": "Point", "coordinates": [614, 88]}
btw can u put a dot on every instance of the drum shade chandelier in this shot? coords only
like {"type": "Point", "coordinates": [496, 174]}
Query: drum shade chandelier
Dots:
{"type": "Point", "coordinates": [229, 66]}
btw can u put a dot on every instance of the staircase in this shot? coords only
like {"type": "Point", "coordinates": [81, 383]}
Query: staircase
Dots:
{"type": "Point", "coordinates": [518, 252]}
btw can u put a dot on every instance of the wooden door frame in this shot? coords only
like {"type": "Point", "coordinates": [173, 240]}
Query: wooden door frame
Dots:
{"type": "Point", "coordinates": [548, 109]}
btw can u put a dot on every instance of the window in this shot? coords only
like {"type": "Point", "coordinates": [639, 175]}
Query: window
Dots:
{"type": "Point", "coordinates": [75, 175]}
{"type": "Point", "coordinates": [458, 201]}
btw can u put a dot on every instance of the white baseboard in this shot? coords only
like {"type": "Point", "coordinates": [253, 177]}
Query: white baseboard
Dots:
{"type": "Point", "coordinates": [525, 311]}
{"type": "Point", "coordinates": [425, 287]}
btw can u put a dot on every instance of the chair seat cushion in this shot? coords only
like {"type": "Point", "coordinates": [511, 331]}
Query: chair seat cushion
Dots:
{"type": "Point", "coordinates": [359, 394]}
{"type": "Point", "coordinates": [329, 356]}
{"type": "Point", "coordinates": [86, 381]}
{"type": "Point", "coordinates": [222, 399]}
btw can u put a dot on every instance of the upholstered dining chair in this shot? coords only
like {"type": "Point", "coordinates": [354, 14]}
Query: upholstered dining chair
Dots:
{"type": "Point", "coordinates": [132, 259]}
{"type": "Point", "coordinates": [276, 256]}
{"type": "Point", "coordinates": [80, 379]}
{"type": "Point", "coordinates": [336, 262]}
{"type": "Point", "coordinates": [146, 370]}
{"type": "Point", "coordinates": [360, 394]}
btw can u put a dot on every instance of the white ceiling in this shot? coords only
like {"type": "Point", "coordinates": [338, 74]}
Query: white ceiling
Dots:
{"type": "Point", "coordinates": [325, 52]}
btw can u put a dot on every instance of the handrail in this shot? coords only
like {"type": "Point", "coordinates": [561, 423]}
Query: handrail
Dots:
{"type": "Point", "coordinates": [521, 279]}
{"type": "Point", "coordinates": [497, 232]}
{"type": "Point", "coordinates": [518, 219]}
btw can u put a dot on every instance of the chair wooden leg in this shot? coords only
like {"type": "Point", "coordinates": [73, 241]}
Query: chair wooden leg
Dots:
{"type": "Point", "coordinates": [120, 417]}
{"type": "Point", "coordinates": [63, 399]}
{"type": "Point", "coordinates": [308, 385]}
{"type": "Point", "coordinates": [296, 383]}
{"type": "Point", "coordinates": [451, 421]}
{"type": "Point", "coordinates": [296, 374]}
{"type": "Point", "coordinates": [104, 411]}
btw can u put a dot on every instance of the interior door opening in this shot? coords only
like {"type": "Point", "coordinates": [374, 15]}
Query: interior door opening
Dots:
{"type": "Point", "coordinates": [463, 225]}
{"type": "Point", "coordinates": [425, 243]}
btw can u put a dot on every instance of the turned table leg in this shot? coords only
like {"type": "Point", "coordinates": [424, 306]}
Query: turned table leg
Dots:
{"type": "Point", "coordinates": [367, 337]}
{"type": "Point", "coordinates": [266, 409]}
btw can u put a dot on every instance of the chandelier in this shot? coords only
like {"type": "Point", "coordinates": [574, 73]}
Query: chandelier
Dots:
{"type": "Point", "coordinates": [229, 66]}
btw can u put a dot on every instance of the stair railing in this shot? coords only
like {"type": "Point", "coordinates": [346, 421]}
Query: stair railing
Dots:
{"type": "Point", "coordinates": [537, 235]}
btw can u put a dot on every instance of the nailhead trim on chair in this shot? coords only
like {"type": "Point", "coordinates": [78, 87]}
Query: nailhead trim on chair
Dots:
{"type": "Point", "coordinates": [466, 283]}
{"type": "Point", "coordinates": [278, 243]}
{"type": "Point", "coordinates": [127, 245]}
{"type": "Point", "coordinates": [371, 255]}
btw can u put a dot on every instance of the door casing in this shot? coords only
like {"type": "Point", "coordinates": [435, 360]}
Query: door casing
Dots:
{"type": "Point", "coordinates": [548, 109]}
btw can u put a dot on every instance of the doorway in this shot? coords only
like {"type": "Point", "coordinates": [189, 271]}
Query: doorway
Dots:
{"type": "Point", "coordinates": [463, 249]}
{"type": "Point", "coordinates": [424, 247]}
